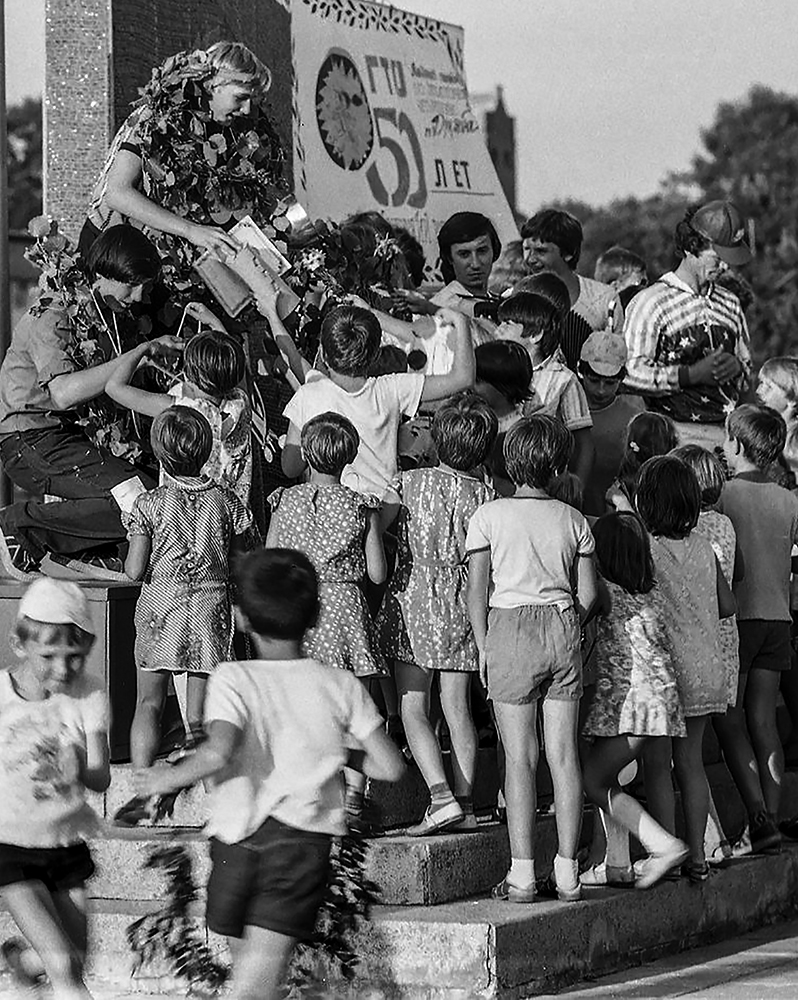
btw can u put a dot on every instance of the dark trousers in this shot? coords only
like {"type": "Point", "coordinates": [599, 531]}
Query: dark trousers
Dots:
{"type": "Point", "coordinates": [65, 464]}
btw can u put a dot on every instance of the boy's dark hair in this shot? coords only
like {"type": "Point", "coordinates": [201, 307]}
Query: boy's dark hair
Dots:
{"type": "Point", "coordinates": [548, 286]}
{"type": "Point", "coordinates": [414, 254]}
{"type": "Point", "coordinates": [214, 362]}
{"type": "Point", "coordinates": [463, 227]}
{"type": "Point", "coordinates": [350, 339]}
{"type": "Point", "coordinates": [760, 430]}
{"type": "Point", "coordinates": [687, 240]}
{"type": "Point", "coordinates": [49, 633]}
{"type": "Point", "coordinates": [464, 430]}
{"type": "Point", "coordinates": [668, 497]}
{"type": "Point", "coordinates": [329, 443]}
{"type": "Point", "coordinates": [278, 592]}
{"type": "Point", "coordinates": [390, 359]}
{"type": "Point", "coordinates": [182, 440]}
{"type": "Point", "coordinates": [505, 365]}
{"type": "Point", "coordinates": [123, 253]}
{"type": "Point", "coordinates": [560, 228]}
{"type": "Point", "coordinates": [616, 263]}
{"type": "Point", "coordinates": [708, 471]}
{"type": "Point", "coordinates": [623, 551]}
{"type": "Point", "coordinates": [536, 449]}
{"type": "Point", "coordinates": [537, 316]}
{"type": "Point", "coordinates": [567, 488]}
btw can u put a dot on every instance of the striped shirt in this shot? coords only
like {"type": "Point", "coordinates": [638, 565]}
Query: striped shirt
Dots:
{"type": "Point", "coordinates": [669, 325]}
{"type": "Point", "coordinates": [597, 308]}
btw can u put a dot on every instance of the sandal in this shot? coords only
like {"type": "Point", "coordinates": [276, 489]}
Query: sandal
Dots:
{"type": "Point", "coordinates": [696, 871]}
{"type": "Point", "coordinates": [510, 893]}
{"type": "Point", "coordinates": [12, 951]}
{"type": "Point", "coordinates": [437, 820]}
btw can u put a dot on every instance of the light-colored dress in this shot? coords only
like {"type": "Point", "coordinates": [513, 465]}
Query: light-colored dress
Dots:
{"type": "Point", "coordinates": [230, 460]}
{"type": "Point", "coordinates": [636, 687]}
{"type": "Point", "coordinates": [719, 529]}
{"type": "Point", "coordinates": [328, 524]}
{"type": "Point", "coordinates": [685, 569]}
{"type": "Point", "coordinates": [424, 618]}
{"type": "Point", "coordinates": [184, 618]}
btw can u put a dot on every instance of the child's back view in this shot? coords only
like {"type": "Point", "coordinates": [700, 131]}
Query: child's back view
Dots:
{"type": "Point", "coordinates": [537, 554]}
{"type": "Point", "coordinates": [765, 517]}
{"type": "Point", "coordinates": [278, 731]}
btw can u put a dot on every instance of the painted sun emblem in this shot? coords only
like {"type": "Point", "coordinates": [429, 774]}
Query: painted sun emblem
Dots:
{"type": "Point", "coordinates": [342, 111]}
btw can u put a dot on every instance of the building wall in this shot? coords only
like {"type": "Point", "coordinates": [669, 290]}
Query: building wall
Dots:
{"type": "Point", "coordinates": [100, 52]}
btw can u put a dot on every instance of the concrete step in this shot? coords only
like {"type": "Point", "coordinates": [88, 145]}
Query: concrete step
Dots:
{"type": "Point", "coordinates": [502, 951]}
{"type": "Point", "coordinates": [408, 870]}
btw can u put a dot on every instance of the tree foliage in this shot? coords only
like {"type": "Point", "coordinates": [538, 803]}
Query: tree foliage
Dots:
{"type": "Point", "coordinates": [24, 163]}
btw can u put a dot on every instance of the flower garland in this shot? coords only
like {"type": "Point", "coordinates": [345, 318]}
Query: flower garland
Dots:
{"type": "Point", "coordinates": [207, 172]}
{"type": "Point", "coordinates": [64, 286]}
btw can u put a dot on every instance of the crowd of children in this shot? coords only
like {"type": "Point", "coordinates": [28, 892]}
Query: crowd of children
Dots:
{"type": "Point", "coordinates": [548, 515]}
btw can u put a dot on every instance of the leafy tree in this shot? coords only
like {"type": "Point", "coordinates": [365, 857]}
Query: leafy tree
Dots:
{"type": "Point", "coordinates": [24, 163]}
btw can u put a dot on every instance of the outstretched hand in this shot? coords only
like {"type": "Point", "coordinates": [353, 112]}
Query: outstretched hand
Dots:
{"type": "Point", "coordinates": [167, 345]}
{"type": "Point", "coordinates": [213, 239]}
{"type": "Point", "coordinates": [202, 314]}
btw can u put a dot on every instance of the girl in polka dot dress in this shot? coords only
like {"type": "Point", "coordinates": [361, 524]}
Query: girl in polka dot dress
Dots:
{"type": "Point", "coordinates": [339, 531]}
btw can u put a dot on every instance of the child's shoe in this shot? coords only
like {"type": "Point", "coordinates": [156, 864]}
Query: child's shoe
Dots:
{"type": "Point", "coordinates": [657, 866]}
{"type": "Point", "coordinates": [547, 888]}
{"type": "Point", "coordinates": [602, 874]}
{"type": "Point", "coordinates": [696, 871]}
{"type": "Point", "coordinates": [437, 819]}
{"type": "Point", "coordinates": [510, 893]}
{"type": "Point", "coordinates": [468, 824]}
{"type": "Point", "coordinates": [765, 835]}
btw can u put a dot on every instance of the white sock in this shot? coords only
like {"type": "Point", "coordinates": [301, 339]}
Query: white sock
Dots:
{"type": "Point", "coordinates": [566, 872]}
{"type": "Point", "coordinates": [522, 872]}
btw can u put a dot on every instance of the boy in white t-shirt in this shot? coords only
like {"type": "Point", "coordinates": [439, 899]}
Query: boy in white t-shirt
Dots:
{"type": "Point", "coordinates": [350, 343]}
{"type": "Point", "coordinates": [531, 579]}
{"type": "Point", "coordinates": [278, 732]}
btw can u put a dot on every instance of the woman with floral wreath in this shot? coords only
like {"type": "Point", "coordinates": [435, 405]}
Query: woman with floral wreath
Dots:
{"type": "Point", "coordinates": [197, 152]}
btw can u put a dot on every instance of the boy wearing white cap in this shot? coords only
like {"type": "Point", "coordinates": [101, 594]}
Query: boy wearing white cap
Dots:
{"type": "Point", "coordinates": [602, 369]}
{"type": "Point", "coordinates": [53, 747]}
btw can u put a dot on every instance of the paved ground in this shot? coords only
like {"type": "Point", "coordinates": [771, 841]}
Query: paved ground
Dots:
{"type": "Point", "coordinates": [762, 965]}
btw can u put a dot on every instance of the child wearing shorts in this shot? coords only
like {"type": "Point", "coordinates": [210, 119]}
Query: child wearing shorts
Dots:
{"type": "Point", "coordinates": [53, 747]}
{"type": "Point", "coordinates": [278, 731]}
{"type": "Point", "coordinates": [537, 555]}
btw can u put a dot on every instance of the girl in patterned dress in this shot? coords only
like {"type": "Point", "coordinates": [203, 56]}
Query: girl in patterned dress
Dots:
{"type": "Point", "coordinates": [668, 499]}
{"type": "Point", "coordinates": [423, 622]}
{"type": "Point", "coordinates": [214, 366]}
{"type": "Point", "coordinates": [182, 536]}
{"type": "Point", "coordinates": [339, 531]}
{"type": "Point", "coordinates": [636, 698]}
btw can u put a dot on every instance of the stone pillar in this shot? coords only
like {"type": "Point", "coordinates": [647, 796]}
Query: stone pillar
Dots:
{"type": "Point", "coordinates": [100, 52]}
{"type": "Point", "coordinates": [77, 105]}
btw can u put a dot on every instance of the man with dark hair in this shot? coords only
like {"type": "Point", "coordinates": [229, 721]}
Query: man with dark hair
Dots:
{"type": "Point", "coordinates": [41, 450]}
{"type": "Point", "coordinates": [553, 242]}
{"type": "Point", "coordinates": [686, 335]}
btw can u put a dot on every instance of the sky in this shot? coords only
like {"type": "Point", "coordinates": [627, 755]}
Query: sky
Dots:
{"type": "Point", "coordinates": [609, 96]}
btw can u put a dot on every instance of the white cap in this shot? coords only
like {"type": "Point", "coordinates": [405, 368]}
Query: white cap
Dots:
{"type": "Point", "coordinates": [56, 602]}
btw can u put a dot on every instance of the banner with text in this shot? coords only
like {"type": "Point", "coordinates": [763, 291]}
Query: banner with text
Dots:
{"type": "Point", "coordinates": [382, 120]}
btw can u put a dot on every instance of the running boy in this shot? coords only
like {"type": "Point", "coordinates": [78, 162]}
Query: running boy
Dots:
{"type": "Point", "coordinates": [537, 555]}
{"type": "Point", "coordinates": [53, 747]}
{"type": "Point", "coordinates": [278, 730]}
{"type": "Point", "coordinates": [765, 518]}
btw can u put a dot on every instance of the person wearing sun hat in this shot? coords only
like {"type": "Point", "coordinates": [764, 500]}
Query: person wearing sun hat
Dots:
{"type": "Point", "coordinates": [686, 336]}
{"type": "Point", "coordinates": [602, 369]}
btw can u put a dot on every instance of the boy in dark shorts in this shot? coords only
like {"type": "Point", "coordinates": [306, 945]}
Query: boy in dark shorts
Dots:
{"type": "Point", "coordinates": [53, 747]}
{"type": "Point", "coordinates": [765, 518]}
{"type": "Point", "coordinates": [278, 731]}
